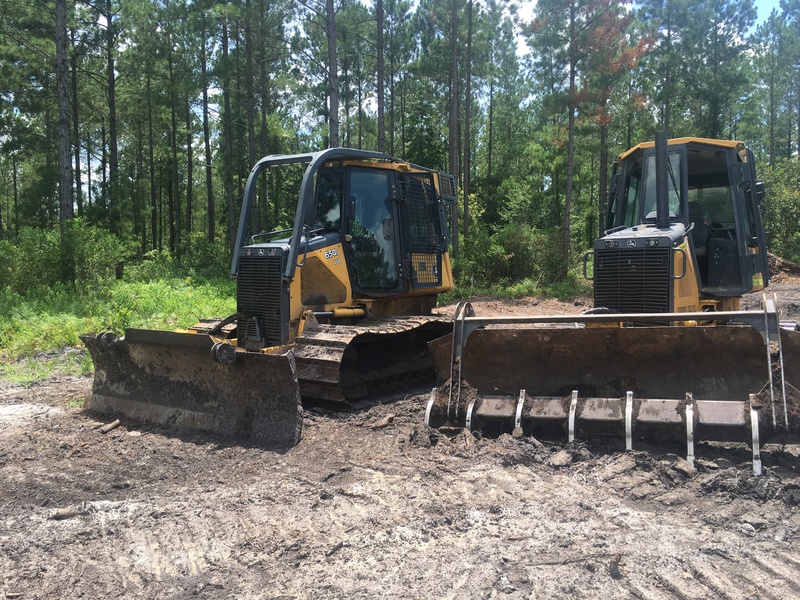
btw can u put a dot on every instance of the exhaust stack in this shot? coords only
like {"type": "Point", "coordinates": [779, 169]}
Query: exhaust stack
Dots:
{"type": "Point", "coordinates": [662, 166]}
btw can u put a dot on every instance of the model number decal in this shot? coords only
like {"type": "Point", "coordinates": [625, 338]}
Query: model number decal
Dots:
{"type": "Point", "coordinates": [331, 253]}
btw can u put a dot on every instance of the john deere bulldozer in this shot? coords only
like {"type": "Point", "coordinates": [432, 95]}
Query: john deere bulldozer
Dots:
{"type": "Point", "coordinates": [333, 309]}
{"type": "Point", "coordinates": [667, 350]}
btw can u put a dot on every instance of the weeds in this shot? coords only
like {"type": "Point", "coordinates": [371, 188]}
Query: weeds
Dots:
{"type": "Point", "coordinates": [40, 329]}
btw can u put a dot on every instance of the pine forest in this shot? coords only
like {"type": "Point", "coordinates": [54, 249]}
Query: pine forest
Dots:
{"type": "Point", "coordinates": [128, 129]}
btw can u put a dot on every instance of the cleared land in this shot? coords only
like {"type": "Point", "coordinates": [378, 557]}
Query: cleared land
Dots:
{"type": "Point", "coordinates": [370, 505]}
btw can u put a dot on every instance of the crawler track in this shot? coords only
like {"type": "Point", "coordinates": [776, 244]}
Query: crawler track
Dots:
{"type": "Point", "coordinates": [339, 363]}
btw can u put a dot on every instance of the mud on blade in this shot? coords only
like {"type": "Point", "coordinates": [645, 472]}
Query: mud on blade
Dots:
{"type": "Point", "coordinates": [719, 382]}
{"type": "Point", "coordinates": [172, 379]}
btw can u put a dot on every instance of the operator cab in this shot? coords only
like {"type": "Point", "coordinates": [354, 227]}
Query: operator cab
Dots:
{"type": "Point", "coordinates": [390, 224]}
{"type": "Point", "coordinates": [713, 192]}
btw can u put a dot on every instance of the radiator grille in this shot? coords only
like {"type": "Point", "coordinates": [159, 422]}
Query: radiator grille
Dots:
{"type": "Point", "coordinates": [636, 280]}
{"type": "Point", "coordinates": [259, 294]}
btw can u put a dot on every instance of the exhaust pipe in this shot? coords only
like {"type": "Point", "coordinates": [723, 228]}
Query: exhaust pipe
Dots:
{"type": "Point", "coordinates": [662, 166]}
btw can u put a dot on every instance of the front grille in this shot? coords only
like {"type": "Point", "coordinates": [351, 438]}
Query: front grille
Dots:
{"type": "Point", "coordinates": [635, 280]}
{"type": "Point", "coordinates": [259, 294]}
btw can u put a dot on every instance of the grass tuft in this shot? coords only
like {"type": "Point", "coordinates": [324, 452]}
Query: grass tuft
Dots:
{"type": "Point", "coordinates": [39, 330]}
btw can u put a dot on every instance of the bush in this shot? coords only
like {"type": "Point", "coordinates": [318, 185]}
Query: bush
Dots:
{"type": "Point", "coordinates": [156, 264]}
{"type": "Point", "coordinates": [95, 253]}
{"type": "Point", "coordinates": [203, 257]}
{"type": "Point", "coordinates": [32, 260]}
{"type": "Point", "coordinates": [516, 253]}
{"type": "Point", "coordinates": [781, 209]}
{"type": "Point", "coordinates": [198, 257]}
{"type": "Point", "coordinates": [42, 258]}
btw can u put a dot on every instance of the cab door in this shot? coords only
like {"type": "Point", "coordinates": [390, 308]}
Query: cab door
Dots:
{"type": "Point", "coordinates": [372, 232]}
{"type": "Point", "coordinates": [754, 226]}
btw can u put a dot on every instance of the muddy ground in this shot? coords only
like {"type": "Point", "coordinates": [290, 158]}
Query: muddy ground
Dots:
{"type": "Point", "coordinates": [370, 505]}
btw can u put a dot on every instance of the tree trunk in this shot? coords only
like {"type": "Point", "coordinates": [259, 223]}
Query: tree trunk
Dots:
{"type": "Point", "coordinates": [249, 77]}
{"type": "Point", "coordinates": [603, 183]}
{"type": "Point", "coordinates": [89, 170]}
{"type": "Point", "coordinates": [265, 141]}
{"type": "Point", "coordinates": [113, 165]}
{"type": "Point", "coordinates": [333, 76]}
{"type": "Point", "coordinates": [346, 77]}
{"type": "Point", "coordinates": [570, 147]}
{"type": "Point", "coordinates": [139, 225]}
{"type": "Point", "coordinates": [172, 189]}
{"type": "Point", "coordinates": [76, 139]}
{"type": "Point", "coordinates": [668, 78]}
{"type": "Point", "coordinates": [62, 87]}
{"type": "Point", "coordinates": [490, 140]}
{"type": "Point", "coordinates": [15, 183]}
{"type": "Point", "coordinates": [359, 114]}
{"type": "Point", "coordinates": [189, 167]}
{"type": "Point", "coordinates": [467, 103]}
{"type": "Point", "coordinates": [453, 117]}
{"type": "Point", "coordinates": [207, 139]}
{"type": "Point", "coordinates": [381, 76]}
{"type": "Point", "coordinates": [392, 74]}
{"type": "Point", "coordinates": [152, 167]}
{"type": "Point", "coordinates": [227, 135]}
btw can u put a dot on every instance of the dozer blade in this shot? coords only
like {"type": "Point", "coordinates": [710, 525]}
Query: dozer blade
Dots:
{"type": "Point", "coordinates": [725, 381]}
{"type": "Point", "coordinates": [188, 381]}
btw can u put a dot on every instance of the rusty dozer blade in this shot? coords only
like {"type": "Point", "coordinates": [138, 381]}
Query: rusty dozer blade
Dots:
{"type": "Point", "coordinates": [190, 381]}
{"type": "Point", "coordinates": [735, 378]}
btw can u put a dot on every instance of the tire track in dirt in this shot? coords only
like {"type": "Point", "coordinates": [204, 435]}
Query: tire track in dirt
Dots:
{"type": "Point", "coordinates": [359, 512]}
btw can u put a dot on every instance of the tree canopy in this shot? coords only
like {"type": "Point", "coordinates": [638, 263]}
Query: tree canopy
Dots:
{"type": "Point", "coordinates": [144, 118]}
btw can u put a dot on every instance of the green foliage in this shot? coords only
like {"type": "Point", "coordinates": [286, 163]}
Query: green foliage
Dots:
{"type": "Point", "coordinates": [203, 257]}
{"type": "Point", "coordinates": [32, 260]}
{"type": "Point", "coordinates": [37, 327]}
{"type": "Point", "coordinates": [199, 258]}
{"type": "Point", "coordinates": [517, 254]}
{"type": "Point", "coordinates": [156, 264]}
{"type": "Point", "coordinates": [570, 287]}
{"type": "Point", "coordinates": [781, 209]}
{"type": "Point", "coordinates": [42, 258]}
{"type": "Point", "coordinates": [93, 253]}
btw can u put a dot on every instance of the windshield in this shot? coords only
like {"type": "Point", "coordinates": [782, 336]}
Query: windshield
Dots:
{"type": "Point", "coordinates": [674, 178]}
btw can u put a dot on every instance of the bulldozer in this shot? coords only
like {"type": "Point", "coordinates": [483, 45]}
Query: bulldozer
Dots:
{"type": "Point", "coordinates": [666, 352]}
{"type": "Point", "coordinates": [331, 310]}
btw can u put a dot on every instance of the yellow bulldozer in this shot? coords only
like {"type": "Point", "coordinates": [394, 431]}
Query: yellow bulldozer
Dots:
{"type": "Point", "coordinates": [667, 349]}
{"type": "Point", "coordinates": [333, 309]}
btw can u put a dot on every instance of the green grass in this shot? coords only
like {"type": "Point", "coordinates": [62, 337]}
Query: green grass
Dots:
{"type": "Point", "coordinates": [567, 289]}
{"type": "Point", "coordinates": [38, 330]}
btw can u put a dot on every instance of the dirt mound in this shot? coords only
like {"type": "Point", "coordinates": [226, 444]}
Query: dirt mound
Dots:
{"type": "Point", "coordinates": [783, 271]}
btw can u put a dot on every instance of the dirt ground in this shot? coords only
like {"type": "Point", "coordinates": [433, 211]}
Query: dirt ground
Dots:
{"type": "Point", "coordinates": [371, 505]}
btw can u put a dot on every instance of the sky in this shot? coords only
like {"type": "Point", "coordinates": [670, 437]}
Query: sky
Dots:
{"type": "Point", "coordinates": [764, 7]}
{"type": "Point", "coordinates": [526, 7]}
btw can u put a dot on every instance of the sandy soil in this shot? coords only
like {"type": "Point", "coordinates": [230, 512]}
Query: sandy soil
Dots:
{"type": "Point", "coordinates": [370, 505]}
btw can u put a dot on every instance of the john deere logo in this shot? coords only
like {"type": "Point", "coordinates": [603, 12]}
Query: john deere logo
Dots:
{"type": "Point", "coordinates": [631, 243]}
